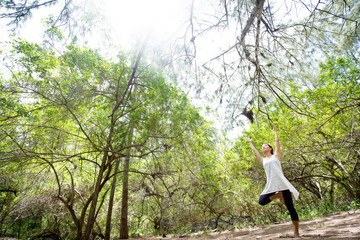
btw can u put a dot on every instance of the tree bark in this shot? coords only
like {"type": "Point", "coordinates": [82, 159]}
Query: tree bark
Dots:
{"type": "Point", "coordinates": [124, 231]}
{"type": "Point", "coordinates": [91, 218]}
{"type": "Point", "coordinates": [111, 202]}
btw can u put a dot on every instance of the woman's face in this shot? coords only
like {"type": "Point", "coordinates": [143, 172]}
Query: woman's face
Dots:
{"type": "Point", "coordinates": [266, 148]}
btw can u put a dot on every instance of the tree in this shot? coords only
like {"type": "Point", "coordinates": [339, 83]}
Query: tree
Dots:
{"type": "Point", "coordinates": [18, 12]}
{"type": "Point", "coordinates": [79, 112]}
{"type": "Point", "coordinates": [272, 44]}
{"type": "Point", "coordinates": [65, 15]}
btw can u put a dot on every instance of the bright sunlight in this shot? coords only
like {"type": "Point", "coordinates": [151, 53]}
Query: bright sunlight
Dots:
{"type": "Point", "coordinates": [160, 18]}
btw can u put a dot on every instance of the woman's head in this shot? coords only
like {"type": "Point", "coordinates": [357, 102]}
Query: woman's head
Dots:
{"type": "Point", "coordinates": [267, 148]}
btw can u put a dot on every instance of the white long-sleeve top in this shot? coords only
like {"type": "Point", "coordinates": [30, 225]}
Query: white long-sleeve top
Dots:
{"type": "Point", "coordinates": [275, 179]}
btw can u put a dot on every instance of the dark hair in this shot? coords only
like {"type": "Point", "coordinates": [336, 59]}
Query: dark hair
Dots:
{"type": "Point", "coordinates": [272, 150]}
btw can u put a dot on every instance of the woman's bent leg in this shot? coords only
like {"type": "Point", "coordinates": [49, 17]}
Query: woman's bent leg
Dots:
{"type": "Point", "coordinates": [265, 198]}
{"type": "Point", "coordinates": [277, 195]}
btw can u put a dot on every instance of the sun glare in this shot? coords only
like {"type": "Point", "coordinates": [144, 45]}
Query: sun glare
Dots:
{"type": "Point", "coordinates": [140, 17]}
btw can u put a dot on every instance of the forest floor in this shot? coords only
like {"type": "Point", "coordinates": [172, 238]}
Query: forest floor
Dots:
{"type": "Point", "coordinates": [335, 226]}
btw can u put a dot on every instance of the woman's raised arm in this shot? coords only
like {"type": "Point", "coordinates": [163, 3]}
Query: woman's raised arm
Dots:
{"type": "Point", "coordinates": [258, 155]}
{"type": "Point", "coordinates": [277, 144]}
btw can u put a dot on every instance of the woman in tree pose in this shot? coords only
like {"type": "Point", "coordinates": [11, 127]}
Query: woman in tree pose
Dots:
{"type": "Point", "coordinates": [277, 186]}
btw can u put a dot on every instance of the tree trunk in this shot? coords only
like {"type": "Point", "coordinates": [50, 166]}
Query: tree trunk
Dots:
{"type": "Point", "coordinates": [124, 231]}
{"type": "Point", "coordinates": [162, 222]}
{"type": "Point", "coordinates": [111, 202]}
{"type": "Point", "coordinates": [92, 212]}
{"type": "Point", "coordinates": [331, 193]}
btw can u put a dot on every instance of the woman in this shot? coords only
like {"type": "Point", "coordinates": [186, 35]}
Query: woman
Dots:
{"type": "Point", "coordinates": [277, 186]}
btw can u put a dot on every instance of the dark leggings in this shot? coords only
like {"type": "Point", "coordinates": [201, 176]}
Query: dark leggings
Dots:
{"type": "Point", "coordinates": [265, 199]}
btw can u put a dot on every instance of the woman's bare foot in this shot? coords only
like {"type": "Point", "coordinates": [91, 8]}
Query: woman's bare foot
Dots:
{"type": "Point", "coordinates": [296, 228]}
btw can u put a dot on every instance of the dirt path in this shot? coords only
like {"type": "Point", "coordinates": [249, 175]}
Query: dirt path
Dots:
{"type": "Point", "coordinates": [335, 226]}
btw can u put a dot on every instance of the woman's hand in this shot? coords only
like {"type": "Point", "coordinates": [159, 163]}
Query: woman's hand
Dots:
{"type": "Point", "coordinates": [258, 155]}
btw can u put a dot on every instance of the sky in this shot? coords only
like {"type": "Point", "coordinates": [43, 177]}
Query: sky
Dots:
{"type": "Point", "coordinates": [162, 18]}
{"type": "Point", "coordinates": [127, 22]}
